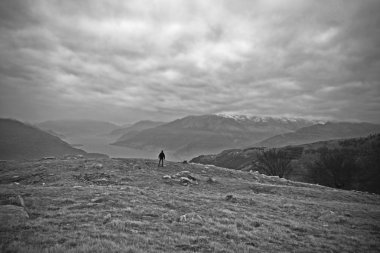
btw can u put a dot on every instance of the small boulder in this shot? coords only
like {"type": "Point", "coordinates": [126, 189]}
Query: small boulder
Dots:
{"type": "Point", "coordinates": [166, 177]}
{"type": "Point", "coordinates": [190, 217]}
{"type": "Point", "coordinates": [182, 218]}
{"type": "Point", "coordinates": [211, 180]}
{"type": "Point", "coordinates": [97, 166]}
{"type": "Point", "coordinates": [191, 177]}
{"type": "Point", "coordinates": [98, 200]}
{"type": "Point", "coordinates": [185, 180]}
{"type": "Point", "coordinates": [182, 173]}
{"type": "Point", "coordinates": [254, 172]}
{"type": "Point", "coordinates": [231, 198]}
{"type": "Point", "coordinates": [49, 158]}
{"type": "Point", "coordinates": [136, 166]}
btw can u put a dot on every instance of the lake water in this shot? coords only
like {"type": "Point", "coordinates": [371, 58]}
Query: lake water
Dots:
{"type": "Point", "coordinates": [101, 144]}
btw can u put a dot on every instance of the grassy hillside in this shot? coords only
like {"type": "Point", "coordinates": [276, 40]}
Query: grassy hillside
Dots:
{"type": "Point", "coordinates": [130, 205]}
{"type": "Point", "coordinates": [21, 141]}
{"type": "Point", "coordinates": [356, 158]}
{"type": "Point", "coordinates": [321, 132]}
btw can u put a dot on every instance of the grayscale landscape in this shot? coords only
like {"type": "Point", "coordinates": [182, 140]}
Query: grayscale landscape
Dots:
{"type": "Point", "coordinates": [189, 126]}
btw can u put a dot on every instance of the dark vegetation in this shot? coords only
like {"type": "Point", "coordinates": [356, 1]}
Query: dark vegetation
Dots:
{"type": "Point", "coordinates": [348, 164]}
{"type": "Point", "coordinates": [334, 168]}
{"type": "Point", "coordinates": [274, 162]}
{"type": "Point", "coordinates": [356, 165]}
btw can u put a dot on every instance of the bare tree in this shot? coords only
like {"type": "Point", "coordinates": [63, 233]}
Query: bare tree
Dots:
{"type": "Point", "coordinates": [334, 168]}
{"type": "Point", "coordinates": [274, 162]}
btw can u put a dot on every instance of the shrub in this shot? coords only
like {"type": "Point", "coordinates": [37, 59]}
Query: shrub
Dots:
{"type": "Point", "coordinates": [274, 162]}
{"type": "Point", "coordinates": [335, 168]}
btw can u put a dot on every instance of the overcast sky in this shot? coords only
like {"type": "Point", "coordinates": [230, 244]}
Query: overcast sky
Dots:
{"type": "Point", "coordinates": [128, 60]}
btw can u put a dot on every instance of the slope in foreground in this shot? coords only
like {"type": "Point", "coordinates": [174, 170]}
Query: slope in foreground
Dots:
{"type": "Point", "coordinates": [129, 205]}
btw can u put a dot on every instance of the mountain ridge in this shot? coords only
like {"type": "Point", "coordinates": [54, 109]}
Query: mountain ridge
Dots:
{"type": "Point", "coordinates": [320, 132]}
{"type": "Point", "coordinates": [74, 127]}
{"type": "Point", "coordinates": [24, 141]}
{"type": "Point", "coordinates": [136, 127]}
{"type": "Point", "coordinates": [195, 134]}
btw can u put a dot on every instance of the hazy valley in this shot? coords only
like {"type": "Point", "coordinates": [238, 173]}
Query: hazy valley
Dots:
{"type": "Point", "coordinates": [195, 135]}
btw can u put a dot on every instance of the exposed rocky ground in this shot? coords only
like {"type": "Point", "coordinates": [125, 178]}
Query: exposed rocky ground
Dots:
{"type": "Point", "coordinates": [131, 205]}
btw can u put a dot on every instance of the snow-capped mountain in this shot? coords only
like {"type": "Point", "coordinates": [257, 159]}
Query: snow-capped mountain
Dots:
{"type": "Point", "coordinates": [195, 135]}
{"type": "Point", "coordinates": [265, 119]}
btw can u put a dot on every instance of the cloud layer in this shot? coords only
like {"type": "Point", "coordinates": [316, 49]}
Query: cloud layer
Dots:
{"type": "Point", "coordinates": [163, 59]}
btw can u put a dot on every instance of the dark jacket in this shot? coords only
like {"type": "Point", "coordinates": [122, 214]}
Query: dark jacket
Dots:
{"type": "Point", "coordinates": [161, 155]}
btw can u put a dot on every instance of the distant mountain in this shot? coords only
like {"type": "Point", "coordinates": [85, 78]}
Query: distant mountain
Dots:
{"type": "Point", "coordinates": [237, 159]}
{"type": "Point", "coordinates": [22, 141]}
{"type": "Point", "coordinates": [363, 153]}
{"type": "Point", "coordinates": [320, 132]}
{"type": "Point", "coordinates": [134, 128]}
{"type": "Point", "coordinates": [210, 133]}
{"type": "Point", "coordinates": [70, 128]}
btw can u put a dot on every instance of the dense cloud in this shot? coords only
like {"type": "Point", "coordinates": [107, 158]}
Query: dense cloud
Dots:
{"type": "Point", "coordinates": [129, 60]}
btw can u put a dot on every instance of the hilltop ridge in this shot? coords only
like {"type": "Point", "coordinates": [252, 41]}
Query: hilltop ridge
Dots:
{"type": "Point", "coordinates": [263, 119]}
{"type": "Point", "coordinates": [360, 153]}
{"type": "Point", "coordinates": [130, 205]}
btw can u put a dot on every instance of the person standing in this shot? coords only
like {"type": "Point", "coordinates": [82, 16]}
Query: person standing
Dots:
{"type": "Point", "coordinates": [161, 156]}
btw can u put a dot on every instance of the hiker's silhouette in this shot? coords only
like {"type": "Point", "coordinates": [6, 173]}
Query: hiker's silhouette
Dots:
{"type": "Point", "coordinates": [161, 156]}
